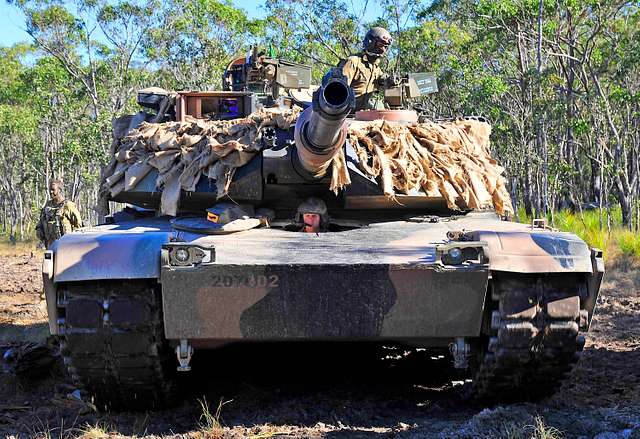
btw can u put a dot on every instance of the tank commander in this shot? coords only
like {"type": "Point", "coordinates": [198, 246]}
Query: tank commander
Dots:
{"type": "Point", "coordinates": [313, 215]}
{"type": "Point", "coordinates": [363, 71]}
{"type": "Point", "coordinates": [58, 216]}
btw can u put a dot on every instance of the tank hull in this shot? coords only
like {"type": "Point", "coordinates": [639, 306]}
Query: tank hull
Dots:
{"type": "Point", "coordinates": [384, 280]}
{"type": "Point", "coordinates": [519, 299]}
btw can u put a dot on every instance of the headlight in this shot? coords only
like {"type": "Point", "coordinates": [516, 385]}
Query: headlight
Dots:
{"type": "Point", "coordinates": [183, 255]}
{"type": "Point", "coordinates": [454, 256]}
{"type": "Point", "coordinates": [47, 264]}
{"type": "Point", "coordinates": [466, 252]}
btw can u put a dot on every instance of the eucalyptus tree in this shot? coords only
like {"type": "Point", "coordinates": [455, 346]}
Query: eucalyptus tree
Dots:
{"type": "Point", "coordinates": [195, 40]}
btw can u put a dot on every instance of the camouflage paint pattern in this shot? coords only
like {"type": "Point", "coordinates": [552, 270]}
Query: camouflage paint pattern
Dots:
{"type": "Point", "coordinates": [129, 250]}
{"type": "Point", "coordinates": [322, 301]}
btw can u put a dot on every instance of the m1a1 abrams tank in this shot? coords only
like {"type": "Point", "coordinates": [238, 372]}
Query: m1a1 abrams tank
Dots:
{"type": "Point", "coordinates": [132, 301]}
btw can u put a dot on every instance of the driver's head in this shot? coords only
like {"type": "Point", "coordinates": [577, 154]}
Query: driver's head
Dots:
{"type": "Point", "coordinates": [313, 214]}
{"type": "Point", "coordinates": [377, 41]}
{"type": "Point", "coordinates": [311, 222]}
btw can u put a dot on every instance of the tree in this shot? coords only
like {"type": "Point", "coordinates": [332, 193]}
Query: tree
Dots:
{"type": "Point", "coordinates": [196, 39]}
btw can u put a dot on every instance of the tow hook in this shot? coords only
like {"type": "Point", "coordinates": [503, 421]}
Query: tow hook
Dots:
{"type": "Point", "coordinates": [460, 350]}
{"type": "Point", "coordinates": [184, 351]}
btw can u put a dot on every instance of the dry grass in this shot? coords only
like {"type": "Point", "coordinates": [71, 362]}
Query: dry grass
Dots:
{"type": "Point", "coordinates": [42, 430]}
{"type": "Point", "coordinates": [8, 248]}
{"type": "Point", "coordinates": [210, 426]}
{"type": "Point", "coordinates": [538, 430]}
{"type": "Point", "coordinates": [267, 431]}
{"type": "Point", "coordinates": [98, 431]}
{"type": "Point", "coordinates": [543, 431]}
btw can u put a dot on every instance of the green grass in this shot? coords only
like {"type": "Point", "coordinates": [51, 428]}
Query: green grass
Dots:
{"type": "Point", "coordinates": [629, 244]}
{"type": "Point", "coordinates": [586, 226]}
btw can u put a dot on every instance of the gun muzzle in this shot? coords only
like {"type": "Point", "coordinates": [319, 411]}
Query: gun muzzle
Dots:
{"type": "Point", "coordinates": [320, 130]}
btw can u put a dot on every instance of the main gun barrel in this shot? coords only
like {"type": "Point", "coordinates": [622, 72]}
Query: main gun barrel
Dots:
{"type": "Point", "coordinates": [320, 130]}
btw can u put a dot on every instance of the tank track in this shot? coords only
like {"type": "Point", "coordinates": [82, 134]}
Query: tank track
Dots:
{"type": "Point", "coordinates": [112, 343]}
{"type": "Point", "coordinates": [532, 336]}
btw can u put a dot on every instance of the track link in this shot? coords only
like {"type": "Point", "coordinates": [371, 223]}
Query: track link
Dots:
{"type": "Point", "coordinates": [112, 343]}
{"type": "Point", "coordinates": [532, 336]}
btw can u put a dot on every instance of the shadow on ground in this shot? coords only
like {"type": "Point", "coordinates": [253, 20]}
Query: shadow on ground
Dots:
{"type": "Point", "coordinates": [352, 390]}
{"type": "Point", "coordinates": [277, 384]}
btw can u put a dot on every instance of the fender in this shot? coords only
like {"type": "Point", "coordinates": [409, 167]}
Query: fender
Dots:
{"type": "Point", "coordinates": [121, 251]}
{"type": "Point", "coordinates": [537, 252]}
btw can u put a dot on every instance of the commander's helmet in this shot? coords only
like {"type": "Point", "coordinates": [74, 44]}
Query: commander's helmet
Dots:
{"type": "Point", "coordinates": [377, 41]}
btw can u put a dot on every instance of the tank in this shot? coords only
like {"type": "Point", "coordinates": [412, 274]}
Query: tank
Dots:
{"type": "Point", "coordinates": [133, 300]}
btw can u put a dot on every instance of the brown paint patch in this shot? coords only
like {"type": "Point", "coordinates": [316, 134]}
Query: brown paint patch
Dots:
{"type": "Point", "coordinates": [219, 309]}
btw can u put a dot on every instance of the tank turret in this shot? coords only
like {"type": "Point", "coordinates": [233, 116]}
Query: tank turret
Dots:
{"type": "Point", "coordinates": [320, 130]}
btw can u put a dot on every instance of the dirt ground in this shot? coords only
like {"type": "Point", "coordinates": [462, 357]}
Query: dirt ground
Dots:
{"type": "Point", "coordinates": [293, 391]}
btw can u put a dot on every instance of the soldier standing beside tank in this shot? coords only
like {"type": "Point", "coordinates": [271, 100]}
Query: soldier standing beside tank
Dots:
{"type": "Point", "coordinates": [363, 71]}
{"type": "Point", "coordinates": [58, 216]}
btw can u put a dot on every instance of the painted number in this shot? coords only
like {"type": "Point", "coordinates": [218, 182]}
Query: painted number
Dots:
{"type": "Point", "coordinates": [250, 281]}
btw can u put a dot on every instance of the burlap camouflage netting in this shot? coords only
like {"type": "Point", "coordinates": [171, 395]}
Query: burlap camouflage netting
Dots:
{"type": "Point", "coordinates": [449, 160]}
{"type": "Point", "coordinates": [182, 152]}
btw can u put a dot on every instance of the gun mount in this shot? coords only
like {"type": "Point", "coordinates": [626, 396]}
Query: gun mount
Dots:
{"type": "Point", "coordinates": [320, 130]}
{"type": "Point", "coordinates": [266, 76]}
{"type": "Point", "coordinates": [411, 86]}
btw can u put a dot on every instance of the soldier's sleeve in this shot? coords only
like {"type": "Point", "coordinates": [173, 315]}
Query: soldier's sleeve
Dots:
{"type": "Point", "coordinates": [74, 216]}
{"type": "Point", "coordinates": [349, 68]}
{"type": "Point", "coordinates": [381, 79]}
{"type": "Point", "coordinates": [39, 229]}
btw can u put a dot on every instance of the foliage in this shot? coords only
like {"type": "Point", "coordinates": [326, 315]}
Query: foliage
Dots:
{"type": "Point", "coordinates": [629, 244]}
{"type": "Point", "coordinates": [563, 98]}
{"type": "Point", "coordinates": [196, 39]}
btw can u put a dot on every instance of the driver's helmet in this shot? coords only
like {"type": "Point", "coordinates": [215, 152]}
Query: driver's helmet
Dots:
{"type": "Point", "coordinates": [313, 205]}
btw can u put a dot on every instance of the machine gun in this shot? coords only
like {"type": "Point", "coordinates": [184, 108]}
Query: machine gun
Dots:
{"type": "Point", "coordinates": [265, 76]}
{"type": "Point", "coordinates": [410, 86]}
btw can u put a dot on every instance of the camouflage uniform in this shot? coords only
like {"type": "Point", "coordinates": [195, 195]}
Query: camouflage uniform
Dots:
{"type": "Point", "coordinates": [364, 75]}
{"type": "Point", "coordinates": [57, 220]}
